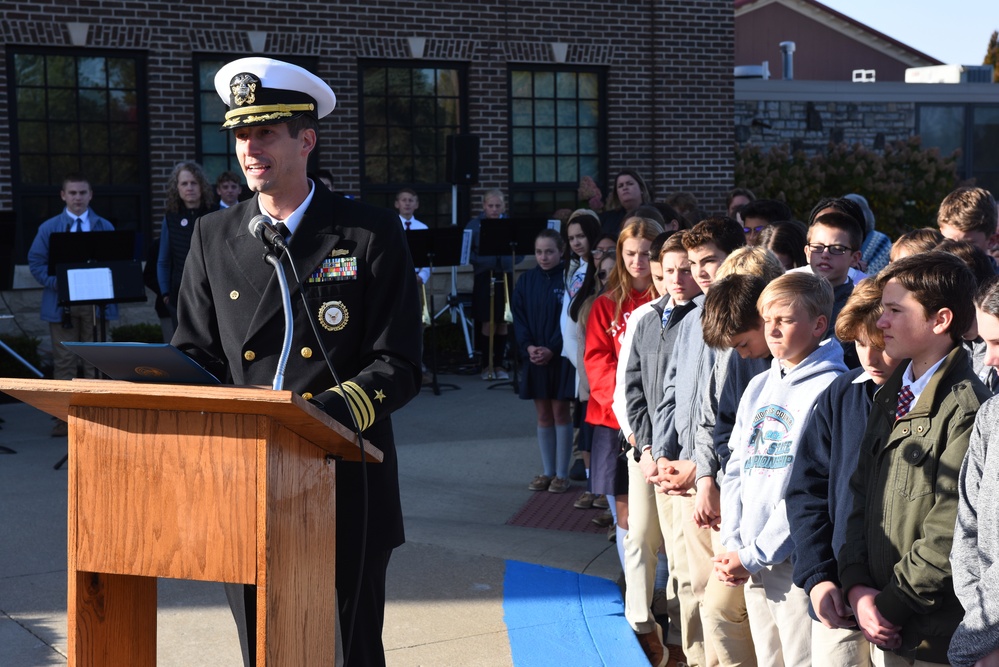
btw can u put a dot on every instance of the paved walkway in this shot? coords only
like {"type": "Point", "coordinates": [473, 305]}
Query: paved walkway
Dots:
{"type": "Point", "coordinates": [465, 589]}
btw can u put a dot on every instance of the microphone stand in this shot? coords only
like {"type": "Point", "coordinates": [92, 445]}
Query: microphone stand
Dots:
{"type": "Point", "coordinates": [289, 325]}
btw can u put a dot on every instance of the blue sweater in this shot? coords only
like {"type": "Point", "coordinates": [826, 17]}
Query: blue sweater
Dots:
{"type": "Point", "coordinates": [537, 309]}
{"type": "Point", "coordinates": [819, 499]}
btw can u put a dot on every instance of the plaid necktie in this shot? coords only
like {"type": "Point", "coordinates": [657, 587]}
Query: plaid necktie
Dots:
{"type": "Point", "coordinates": [904, 402]}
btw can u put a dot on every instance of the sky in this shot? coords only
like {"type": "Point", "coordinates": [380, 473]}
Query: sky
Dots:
{"type": "Point", "coordinates": [952, 31]}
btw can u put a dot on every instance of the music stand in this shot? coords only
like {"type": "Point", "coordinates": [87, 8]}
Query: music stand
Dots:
{"type": "Point", "coordinates": [438, 247]}
{"type": "Point", "coordinates": [515, 236]}
{"type": "Point", "coordinates": [86, 260]}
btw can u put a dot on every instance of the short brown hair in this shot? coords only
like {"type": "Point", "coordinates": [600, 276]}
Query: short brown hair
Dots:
{"type": "Point", "coordinates": [917, 241]}
{"type": "Point", "coordinates": [730, 308]}
{"type": "Point", "coordinates": [976, 258]}
{"type": "Point", "coordinates": [842, 222]}
{"type": "Point", "coordinates": [987, 297]}
{"type": "Point", "coordinates": [969, 210]}
{"type": "Point", "coordinates": [724, 232]}
{"type": "Point", "coordinates": [800, 288]}
{"type": "Point", "coordinates": [936, 280]}
{"type": "Point", "coordinates": [673, 244]}
{"type": "Point", "coordinates": [858, 320]}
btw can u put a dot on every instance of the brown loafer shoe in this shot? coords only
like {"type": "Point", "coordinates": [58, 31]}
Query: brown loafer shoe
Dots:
{"type": "Point", "coordinates": [540, 483]}
{"type": "Point", "coordinates": [600, 502]}
{"type": "Point", "coordinates": [558, 485]}
{"type": "Point", "coordinates": [585, 501]}
{"type": "Point", "coordinates": [603, 519]}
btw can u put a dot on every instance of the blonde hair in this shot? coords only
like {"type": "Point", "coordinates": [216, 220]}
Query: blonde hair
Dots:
{"type": "Point", "coordinates": [618, 284]}
{"type": "Point", "coordinates": [801, 288]}
{"type": "Point", "coordinates": [751, 261]}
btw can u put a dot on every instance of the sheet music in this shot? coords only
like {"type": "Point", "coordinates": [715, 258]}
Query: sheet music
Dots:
{"type": "Point", "coordinates": [555, 225]}
{"type": "Point", "coordinates": [90, 284]}
{"type": "Point", "coordinates": [466, 247]}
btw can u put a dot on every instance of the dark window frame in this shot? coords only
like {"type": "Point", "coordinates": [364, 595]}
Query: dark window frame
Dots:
{"type": "Point", "coordinates": [560, 191]}
{"type": "Point", "coordinates": [110, 200]}
{"type": "Point", "coordinates": [435, 197]}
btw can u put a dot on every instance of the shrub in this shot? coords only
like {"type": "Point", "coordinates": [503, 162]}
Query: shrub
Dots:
{"type": "Point", "coordinates": [904, 184]}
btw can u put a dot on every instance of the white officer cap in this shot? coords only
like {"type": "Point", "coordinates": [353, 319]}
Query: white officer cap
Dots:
{"type": "Point", "coordinates": [264, 91]}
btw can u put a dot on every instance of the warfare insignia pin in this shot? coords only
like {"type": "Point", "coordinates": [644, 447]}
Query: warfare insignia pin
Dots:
{"type": "Point", "coordinates": [333, 315]}
{"type": "Point", "coordinates": [244, 89]}
{"type": "Point", "coordinates": [339, 252]}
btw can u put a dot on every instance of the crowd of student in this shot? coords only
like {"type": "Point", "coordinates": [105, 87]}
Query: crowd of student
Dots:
{"type": "Point", "coordinates": [788, 423]}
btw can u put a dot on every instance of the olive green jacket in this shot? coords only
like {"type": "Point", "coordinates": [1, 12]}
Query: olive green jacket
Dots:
{"type": "Point", "coordinates": [899, 534]}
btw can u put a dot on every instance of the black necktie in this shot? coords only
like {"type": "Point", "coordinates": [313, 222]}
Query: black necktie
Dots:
{"type": "Point", "coordinates": [75, 226]}
{"type": "Point", "coordinates": [283, 230]}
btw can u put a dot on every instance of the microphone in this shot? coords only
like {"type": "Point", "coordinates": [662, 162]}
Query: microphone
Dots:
{"type": "Point", "coordinates": [262, 228]}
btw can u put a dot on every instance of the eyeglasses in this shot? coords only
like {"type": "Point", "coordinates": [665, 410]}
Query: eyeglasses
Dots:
{"type": "Point", "coordinates": [603, 251]}
{"type": "Point", "coordinates": [836, 249]}
{"type": "Point", "coordinates": [754, 229]}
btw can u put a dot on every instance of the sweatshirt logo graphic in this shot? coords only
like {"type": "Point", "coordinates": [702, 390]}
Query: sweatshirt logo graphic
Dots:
{"type": "Point", "coordinates": [769, 446]}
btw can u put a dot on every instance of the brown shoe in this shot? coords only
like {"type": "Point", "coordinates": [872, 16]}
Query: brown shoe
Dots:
{"type": "Point", "coordinates": [600, 502]}
{"type": "Point", "coordinates": [558, 485]}
{"type": "Point", "coordinates": [603, 519]}
{"type": "Point", "coordinates": [585, 501]}
{"type": "Point", "coordinates": [652, 645]}
{"type": "Point", "coordinates": [675, 656]}
{"type": "Point", "coordinates": [540, 483]}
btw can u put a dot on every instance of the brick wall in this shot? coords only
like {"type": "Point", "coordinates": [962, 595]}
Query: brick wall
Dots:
{"type": "Point", "coordinates": [669, 64]}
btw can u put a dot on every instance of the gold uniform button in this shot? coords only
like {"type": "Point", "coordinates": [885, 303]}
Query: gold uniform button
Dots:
{"type": "Point", "coordinates": [306, 352]}
{"type": "Point", "coordinates": [307, 396]}
{"type": "Point", "coordinates": [249, 355]}
{"type": "Point", "coordinates": [234, 295]}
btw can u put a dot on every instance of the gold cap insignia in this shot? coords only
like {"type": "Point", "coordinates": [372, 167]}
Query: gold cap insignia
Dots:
{"type": "Point", "coordinates": [244, 88]}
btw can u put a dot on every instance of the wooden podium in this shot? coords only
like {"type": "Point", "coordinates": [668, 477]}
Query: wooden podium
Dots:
{"type": "Point", "coordinates": [214, 483]}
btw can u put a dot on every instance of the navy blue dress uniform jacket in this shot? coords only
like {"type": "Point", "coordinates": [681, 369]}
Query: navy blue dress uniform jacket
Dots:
{"type": "Point", "coordinates": [231, 321]}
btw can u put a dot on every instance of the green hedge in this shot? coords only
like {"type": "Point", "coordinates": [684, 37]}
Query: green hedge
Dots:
{"type": "Point", "coordinates": [904, 184]}
{"type": "Point", "coordinates": [27, 347]}
{"type": "Point", "coordinates": [137, 333]}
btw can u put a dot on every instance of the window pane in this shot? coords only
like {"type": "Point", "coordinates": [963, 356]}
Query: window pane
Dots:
{"type": "Point", "coordinates": [523, 169]}
{"type": "Point", "coordinates": [568, 169]}
{"type": "Point", "coordinates": [544, 84]}
{"type": "Point", "coordinates": [566, 84]}
{"type": "Point", "coordinates": [523, 141]}
{"type": "Point", "coordinates": [94, 137]}
{"type": "Point", "coordinates": [374, 110]}
{"type": "Point", "coordinates": [62, 105]}
{"type": "Point", "coordinates": [545, 169]}
{"type": "Point", "coordinates": [376, 170]}
{"type": "Point", "coordinates": [34, 170]}
{"type": "Point", "coordinates": [544, 141]}
{"type": "Point", "coordinates": [985, 138]}
{"type": "Point", "coordinates": [92, 73]}
{"type": "Point", "coordinates": [375, 141]}
{"type": "Point", "coordinates": [30, 69]}
{"type": "Point", "coordinates": [32, 137]}
{"type": "Point", "coordinates": [401, 169]}
{"type": "Point", "coordinates": [522, 114]}
{"type": "Point", "coordinates": [374, 81]}
{"type": "Point", "coordinates": [31, 103]}
{"type": "Point", "coordinates": [520, 84]}
{"type": "Point", "coordinates": [61, 71]}
{"type": "Point", "coordinates": [449, 110]}
{"type": "Point", "coordinates": [125, 170]}
{"type": "Point", "coordinates": [66, 138]}
{"type": "Point", "coordinates": [126, 140]}
{"type": "Point", "coordinates": [544, 113]}
{"type": "Point", "coordinates": [123, 108]}
{"type": "Point", "coordinates": [567, 142]}
{"type": "Point", "coordinates": [589, 86]}
{"type": "Point", "coordinates": [942, 127]}
{"type": "Point", "coordinates": [589, 166]}
{"type": "Point", "coordinates": [588, 143]}
{"type": "Point", "coordinates": [448, 83]}
{"type": "Point", "coordinates": [589, 114]}
{"type": "Point", "coordinates": [121, 73]}
{"type": "Point", "coordinates": [399, 83]}
{"type": "Point", "coordinates": [93, 105]}
{"type": "Point", "coordinates": [423, 81]}
{"type": "Point", "coordinates": [566, 113]}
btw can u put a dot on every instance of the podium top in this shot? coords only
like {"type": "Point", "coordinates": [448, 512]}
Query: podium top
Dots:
{"type": "Point", "coordinates": [56, 397]}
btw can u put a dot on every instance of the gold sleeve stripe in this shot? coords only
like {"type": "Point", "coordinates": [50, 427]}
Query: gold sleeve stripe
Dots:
{"type": "Point", "coordinates": [360, 404]}
{"type": "Point", "coordinates": [361, 398]}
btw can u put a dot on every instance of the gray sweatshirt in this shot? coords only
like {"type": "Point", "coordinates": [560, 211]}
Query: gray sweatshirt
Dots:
{"type": "Point", "coordinates": [975, 550]}
{"type": "Point", "coordinates": [768, 428]}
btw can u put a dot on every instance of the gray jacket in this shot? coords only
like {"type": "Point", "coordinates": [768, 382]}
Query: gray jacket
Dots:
{"type": "Point", "coordinates": [976, 543]}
